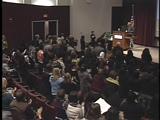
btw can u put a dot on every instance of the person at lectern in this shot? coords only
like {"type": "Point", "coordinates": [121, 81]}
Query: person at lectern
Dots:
{"type": "Point", "coordinates": [130, 30]}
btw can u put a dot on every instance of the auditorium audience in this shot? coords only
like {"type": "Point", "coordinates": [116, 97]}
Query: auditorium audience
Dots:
{"type": "Point", "coordinates": [111, 83]}
{"type": "Point", "coordinates": [7, 97]}
{"type": "Point", "coordinates": [98, 82]}
{"type": "Point", "coordinates": [97, 49]}
{"type": "Point", "coordinates": [4, 44]}
{"type": "Point", "coordinates": [85, 80]}
{"type": "Point", "coordinates": [87, 77]}
{"type": "Point", "coordinates": [32, 51]}
{"type": "Point", "coordinates": [146, 56]}
{"type": "Point", "coordinates": [117, 48]}
{"type": "Point", "coordinates": [40, 59]}
{"type": "Point", "coordinates": [94, 112]}
{"type": "Point", "coordinates": [73, 109]}
{"type": "Point", "coordinates": [21, 108]}
{"type": "Point", "coordinates": [55, 81]}
{"type": "Point", "coordinates": [82, 44]}
{"type": "Point", "coordinates": [93, 39]}
{"type": "Point", "coordinates": [129, 57]}
{"type": "Point", "coordinates": [58, 103]}
{"type": "Point", "coordinates": [68, 84]}
{"type": "Point", "coordinates": [131, 109]}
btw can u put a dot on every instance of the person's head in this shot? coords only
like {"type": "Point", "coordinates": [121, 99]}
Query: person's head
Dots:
{"type": "Point", "coordinates": [100, 71]}
{"type": "Point", "coordinates": [51, 55]}
{"type": "Point", "coordinates": [94, 111]}
{"type": "Point", "coordinates": [61, 93]}
{"type": "Point", "coordinates": [73, 97]}
{"type": "Point", "coordinates": [37, 36]}
{"type": "Point", "coordinates": [83, 68]}
{"type": "Point", "coordinates": [145, 51]}
{"type": "Point", "coordinates": [118, 43]}
{"type": "Point", "coordinates": [129, 24]}
{"type": "Point", "coordinates": [56, 73]}
{"type": "Point", "coordinates": [101, 55]}
{"type": "Point", "coordinates": [113, 74]}
{"type": "Point", "coordinates": [92, 32]}
{"type": "Point", "coordinates": [3, 37]}
{"type": "Point", "coordinates": [131, 96]}
{"type": "Point", "coordinates": [20, 95]}
{"type": "Point", "coordinates": [74, 65]}
{"type": "Point", "coordinates": [130, 53]}
{"type": "Point", "coordinates": [67, 78]}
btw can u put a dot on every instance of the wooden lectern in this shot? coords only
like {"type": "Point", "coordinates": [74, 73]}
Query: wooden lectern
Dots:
{"type": "Point", "coordinates": [123, 38]}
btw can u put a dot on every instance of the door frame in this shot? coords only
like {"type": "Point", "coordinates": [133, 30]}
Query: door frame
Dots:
{"type": "Point", "coordinates": [46, 27]}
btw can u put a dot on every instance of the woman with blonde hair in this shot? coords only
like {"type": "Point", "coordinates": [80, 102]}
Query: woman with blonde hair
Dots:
{"type": "Point", "coordinates": [68, 84]}
{"type": "Point", "coordinates": [55, 81]}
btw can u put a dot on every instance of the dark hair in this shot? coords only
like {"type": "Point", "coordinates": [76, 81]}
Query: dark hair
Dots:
{"type": "Point", "coordinates": [113, 74]}
{"type": "Point", "coordinates": [145, 51]}
{"type": "Point", "coordinates": [73, 97]}
{"type": "Point", "coordinates": [129, 53]}
{"type": "Point", "coordinates": [20, 95]}
{"type": "Point", "coordinates": [131, 96]}
{"type": "Point", "coordinates": [61, 93]}
{"type": "Point", "coordinates": [94, 112]}
{"type": "Point", "coordinates": [83, 67]}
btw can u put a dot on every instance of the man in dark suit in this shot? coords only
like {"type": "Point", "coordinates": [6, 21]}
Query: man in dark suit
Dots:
{"type": "Point", "coordinates": [93, 39]}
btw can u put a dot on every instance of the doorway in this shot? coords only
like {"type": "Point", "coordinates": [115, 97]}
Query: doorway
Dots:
{"type": "Point", "coordinates": [44, 27]}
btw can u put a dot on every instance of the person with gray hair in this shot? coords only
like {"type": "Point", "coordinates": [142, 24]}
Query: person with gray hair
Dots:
{"type": "Point", "coordinates": [117, 48]}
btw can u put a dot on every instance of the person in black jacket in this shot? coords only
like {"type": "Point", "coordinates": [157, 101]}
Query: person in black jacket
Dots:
{"type": "Point", "coordinates": [83, 44]}
{"type": "Point", "coordinates": [130, 108]}
{"type": "Point", "coordinates": [116, 48]}
{"type": "Point", "coordinates": [93, 39]}
{"type": "Point", "coordinates": [146, 56]}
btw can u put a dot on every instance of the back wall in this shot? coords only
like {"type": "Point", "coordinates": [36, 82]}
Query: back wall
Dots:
{"type": "Point", "coordinates": [17, 20]}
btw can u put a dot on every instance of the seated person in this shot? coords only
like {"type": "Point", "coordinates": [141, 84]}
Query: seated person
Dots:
{"type": "Point", "coordinates": [21, 109]}
{"type": "Point", "coordinates": [7, 98]}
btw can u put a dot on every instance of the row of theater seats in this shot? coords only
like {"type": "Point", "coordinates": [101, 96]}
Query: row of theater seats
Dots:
{"type": "Point", "coordinates": [38, 100]}
{"type": "Point", "coordinates": [41, 84]}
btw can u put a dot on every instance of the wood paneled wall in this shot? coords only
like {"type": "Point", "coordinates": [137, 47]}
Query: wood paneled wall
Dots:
{"type": "Point", "coordinates": [17, 20]}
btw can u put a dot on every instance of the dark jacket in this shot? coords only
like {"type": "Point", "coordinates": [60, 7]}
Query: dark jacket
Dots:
{"type": "Point", "coordinates": [60, 111]}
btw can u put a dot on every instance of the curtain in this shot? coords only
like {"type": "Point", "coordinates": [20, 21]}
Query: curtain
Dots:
{"type": "Point", "coordinates": [145, 21]}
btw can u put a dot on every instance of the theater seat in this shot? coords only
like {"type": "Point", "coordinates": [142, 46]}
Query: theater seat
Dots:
{"type": "Point", "coordinates": [49, 111]}
{"type": "Point", "coordinates": [32, 95]}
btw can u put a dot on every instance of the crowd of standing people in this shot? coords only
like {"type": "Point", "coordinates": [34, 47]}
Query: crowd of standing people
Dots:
{"type": "Point", "coordinates": [78, 79]}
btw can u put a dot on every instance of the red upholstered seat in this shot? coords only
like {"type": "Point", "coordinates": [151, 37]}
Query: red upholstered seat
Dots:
{"type": "Point", "coordinates": [32, 95]}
